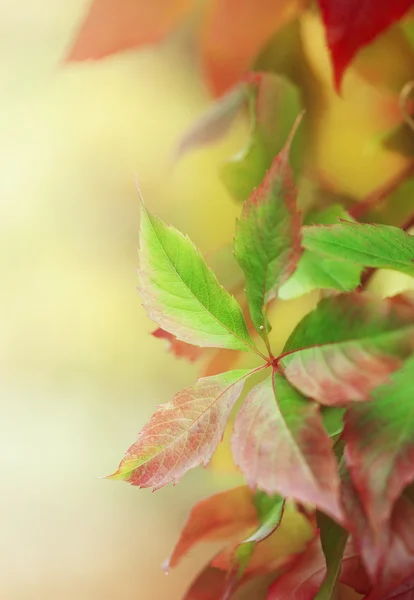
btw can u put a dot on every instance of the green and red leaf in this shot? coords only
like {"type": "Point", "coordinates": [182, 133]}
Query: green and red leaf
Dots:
{"type": "Point", "coordinates": [112, 26]}
{"type": "Point", "coordinates": [281, 446]}
{"type": "Point", "coordinates": [183, 433]}
{"type": "Point", "coordinates": [349, 345]}
{"type": "Point", "coordinates": [267, 242]}
{"type": "Point", "coordinates": [352, 24]}
{"type": "Point", "coordinates": [216, 518]}
{"type": "Point", "coordinates": [177, 348]}
{"type": "Point", "coordinates": [379, 450]}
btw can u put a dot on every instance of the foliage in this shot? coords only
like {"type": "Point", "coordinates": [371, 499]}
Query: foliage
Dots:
{"type": "Point", "coordinates": [328, 430]}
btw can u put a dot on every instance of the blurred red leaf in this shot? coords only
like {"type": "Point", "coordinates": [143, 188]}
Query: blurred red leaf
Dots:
{"type": "Point", "coordinates": [183, 433]}
{"type": "Point", "coordinates": [234, 32]}
{"type": "Point", "coordinates": [379, 450]}
{"type": "Point", "coordinates": [281, 446]}
{"type": "Point", "coordinates": [112, 26]}
{"type": "Point", "coordinates": [352, 24]}
{"type": "Point", "coordinates": [218, 517]}
{"type": "Point", "coordinates": [208, 585]}
{"type": "Point", "coordinates": [177, 347]}
{"type": "Point", "coordinates": [305, 576]}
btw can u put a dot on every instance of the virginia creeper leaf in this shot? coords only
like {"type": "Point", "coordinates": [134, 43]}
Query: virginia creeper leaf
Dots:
{"type": "Point", "coordinates": [349, 345]}
{"type": "Point", "coordinates": [234, 32]}
{"type": "Point", "coordinates": [183, 433]}
{"type": "Point", "coordinates": [274, 104]}
{"type": "Point", "coordinates": [380, 445]}
{"type": "Point", "coordinates": [405, 591]}
{"type": "Point", "coordinates": [215, 123]}
{"type": "Point", "coordinates": [333, 420]}
{"type": "Point", "coordinates": [267, 241]}
{"type": "Point", "coordinates": [352, 24]}
{"type": "Point", "coordinates": [218, 517]}
{"type": "Point", "coordinates": [181, 294]}
{"type": "Point", "coordinates": [315, 271]}
{"type": "Point", "coordinates": [177, 348]}
{"type": "Point", "coordinates": [303, 580]}
{"type": "Point", "coordinates": [113, 26]}
{"type": "Point", "coordinates": [378, 246]}
{"type": "Point", "coordinates": [280, 444]}
{"type": "Point", "coordinates": [208, 585]}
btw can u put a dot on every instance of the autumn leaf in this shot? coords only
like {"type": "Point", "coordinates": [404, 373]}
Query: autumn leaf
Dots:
{"type": "Point", "coordinates": [182, 295]}
{"type": "Point", "coordinates": [183, 433]}
{"type": "Point", "coordinates": [216, 518]}
{"type": "Point", "coordinates": [267, 241]}
{"type": "Point", "coordinates": [349, 345]}
{"type": "Point", "coordinates": [235, 31]}
{"type": "Point", "coordinates": [113, 26]}
{"type": "Point", "coordinates": [208, 585]}
{"type": "Point", "coordinates": [316, 271]}
{"type": "Point", "coordinates": [303, 580]}
{"type": "Point", "coordinates": [352, 24]}
{"type": "Point", "coordinates": [177, 348]}
{"type": "Point", "coordinates": [333, 539]}
{"type": "Point", "coordinates": [379, 450]}
{"type": "Point", "coordinates": [274, 103]}
{"type": "Point", "coordinates": [377, 246]}
{"type": "Point", "coordinates": [308, 576]}
{"type": "Point", "coordinates": [280, 444]}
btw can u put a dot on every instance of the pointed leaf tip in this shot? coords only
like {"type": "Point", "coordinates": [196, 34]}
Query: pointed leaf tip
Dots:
{"type": "Point", "coordinates": [183, 433]}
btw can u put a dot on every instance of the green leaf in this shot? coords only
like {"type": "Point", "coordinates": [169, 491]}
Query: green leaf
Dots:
{"type": "Point", "coordinates": [182, 295]}
{"type": "Point", "coordinates": [267, 241]}
{"type": "Point", "coordinates": [379, 451]}
{"type": "Point", "coordinates": [274, 104]}
{"type": "Point", "coordinates": [333, 539]}
{"type": "Point", "coordinates": [182, 433]}
{"type": "Point", "coordinates": [349, 345]}
{"type": "Point", "coordinates": [378, 246]}
{"type": "Point", "coordinates": [332, 417]}
{"type": "Point", "coordinates": [281, 447]}
{"type": "Point", "coordinates": [322, 272]}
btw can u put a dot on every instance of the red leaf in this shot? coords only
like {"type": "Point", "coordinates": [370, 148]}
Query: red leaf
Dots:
{"type": "Point", "coordinates": [398, 554]}
{"type": "Point", "coordinates": [388, 555]}
{"type": "Point", "coordinates": [183, 433]}
{"type": "Point", "coordinates": [112, 26]}
{"type": "Point", "coordinates": [404, 592]}
{"type": "Point", "coordinates": [235, 31]}
{"type": "Point", "coordinates": [352, 24]}
{"type": "Point", "coordinates": [304, 578]}
{"type": "Point", "coordinates": [281, 446]}
{"type": "Point", "coordinates": [208, 585]}
{"type": "Point", "coordinates": [219, 517]}
{"type": "Point", "coordinates": [379, 450]}
{"type": "Point", "coordinates": [178, 348]}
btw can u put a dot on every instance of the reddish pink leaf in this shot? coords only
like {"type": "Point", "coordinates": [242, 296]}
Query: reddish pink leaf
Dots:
{"type": "Point", "coordinates": [112, 26]}
{"type": "Point", "coordinates": [235, 31]}
{"type": "Point", "coordinates": [178, 348]}
{"type": "Point", "coordinates": [281, 446]}
{"type": "Point", "coordinates": [348, 346]}
{"type": "Point", "coordinates": [380, 446]}
{"type": "Point", "coordinates": [398, 554]}
{"type": "Point", "coordinates": [183, 433]}
{"type": "Point", "coordinates": [352, 24]}
{"type": "Point", "coordinates": [216, 518]}
{"type": "Point", "coordinates": [209, 585]}
{"type": "Point", "coordinates": [405, 591]}
{"type": "Point", "coordinates": [304, 578]}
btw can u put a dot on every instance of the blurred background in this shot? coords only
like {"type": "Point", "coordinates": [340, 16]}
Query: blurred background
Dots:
{"type": "Point", "coordinates": [80, 374]}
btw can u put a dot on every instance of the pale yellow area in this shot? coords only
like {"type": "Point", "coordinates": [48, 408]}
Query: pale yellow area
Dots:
{"type": "Point", "coordinates": [79, 373]}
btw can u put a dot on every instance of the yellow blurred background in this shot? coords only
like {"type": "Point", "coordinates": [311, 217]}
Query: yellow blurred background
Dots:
{"type": "Point", "coordinates": [80, 373]}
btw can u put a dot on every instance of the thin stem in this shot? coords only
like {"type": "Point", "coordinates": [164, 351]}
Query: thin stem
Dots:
{"type": "Point", "coordinates": [381, 193]}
